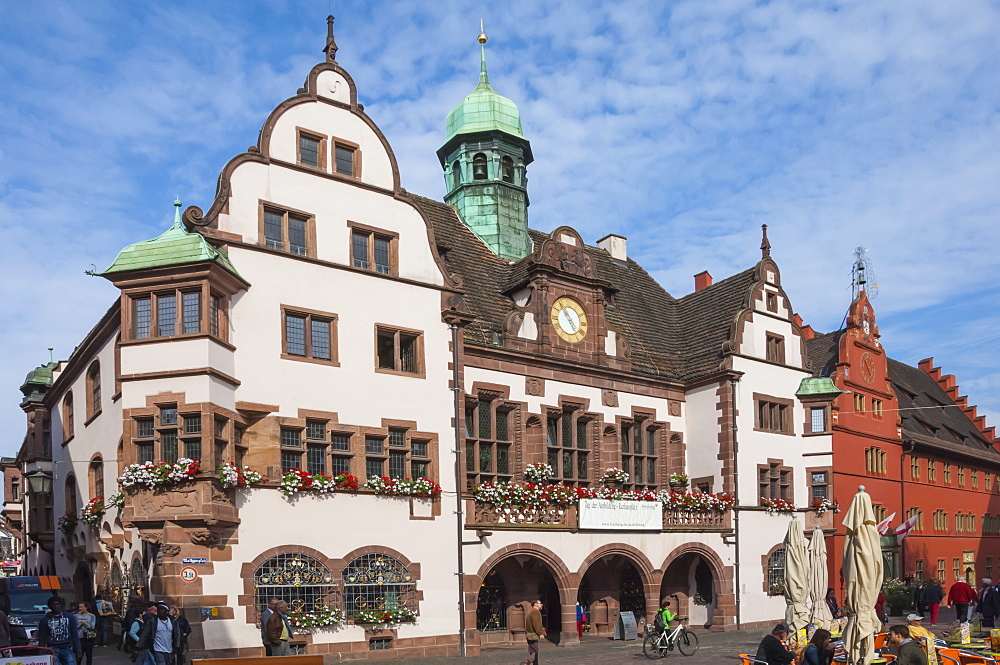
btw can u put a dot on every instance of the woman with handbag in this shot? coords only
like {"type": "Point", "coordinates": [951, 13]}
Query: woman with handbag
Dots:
{"type": "Point", "coordinates": [86, 623]}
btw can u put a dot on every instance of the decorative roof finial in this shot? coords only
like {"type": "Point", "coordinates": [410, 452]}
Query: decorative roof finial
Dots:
{"type": "Point", "coordinates": [177, 213]}
{"type": "Point", "coordinates": [50, 354]}
{"type": "Point", "coordinates": [765, 244]}
{"type": "Point", "coordinates": [331, 46]}
{"type": "Point", "coordinates": [484, 78]}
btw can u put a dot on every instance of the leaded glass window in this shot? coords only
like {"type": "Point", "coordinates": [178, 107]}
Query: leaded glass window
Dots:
{"type": "Point", "coordinates": [776, 572]}
{"type": "Point", "coordinates": [344, 156]}
{"type": "Point", "coordinates": [568, 444]}
{"type": "Point", "coordinates": [377, 582]}
{"type": "Point", "coordinates": [191, 313]}
{"type": "Point", "coordinates": [487, 444]}
{"type": "Point", "coordinates": [142, 317]}
{"type": "Point", "coordinates": [166, 315]}
{"type": "Point", "coordinates": [298, 579]}
{"type": "Point", "coordinates": [639, 454]}
{"type": "Point", "coordinates": [297, 235]}
{"type": "Point", "coordinates": [273, 230]}
{"type": "Point", "coordinates": [308, 150]}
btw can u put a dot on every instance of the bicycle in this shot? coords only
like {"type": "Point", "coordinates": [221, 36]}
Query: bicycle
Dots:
{"type": "Point", "coordinates": [657, 644]}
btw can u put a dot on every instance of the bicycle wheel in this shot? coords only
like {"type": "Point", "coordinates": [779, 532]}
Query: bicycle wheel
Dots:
{"type": "Point", "coordinates": [687, 643]}
{"type": "Point", "coordinates": [649, 647]}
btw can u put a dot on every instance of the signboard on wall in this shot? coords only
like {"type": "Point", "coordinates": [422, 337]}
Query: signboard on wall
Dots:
{"type": "Point", "coordinates": [610, 515]}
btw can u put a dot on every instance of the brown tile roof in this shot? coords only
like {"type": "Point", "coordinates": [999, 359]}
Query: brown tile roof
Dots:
{"type": "Point", "coordinates": [931, 418]}
{"type": "Point", "coordinates": [679, 339]}
{"type": "Point", "coordinates": [823, 352]}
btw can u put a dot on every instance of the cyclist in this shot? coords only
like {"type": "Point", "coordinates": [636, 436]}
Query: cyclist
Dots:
{"type": "Point", "coordinates": [663, 617]}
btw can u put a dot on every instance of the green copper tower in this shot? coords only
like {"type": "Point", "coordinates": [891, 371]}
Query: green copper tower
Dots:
{"type": "Point", "coordinates": [484, 158]}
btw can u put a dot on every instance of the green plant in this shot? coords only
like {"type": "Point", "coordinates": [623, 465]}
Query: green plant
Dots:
{"type": "Point", "coordinates": [898, 596]}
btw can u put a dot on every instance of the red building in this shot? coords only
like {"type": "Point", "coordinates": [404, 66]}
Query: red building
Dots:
{"type": "Point", "coordinates": [918, 447]}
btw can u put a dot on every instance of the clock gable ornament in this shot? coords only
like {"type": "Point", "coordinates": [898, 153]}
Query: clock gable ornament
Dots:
{"type": "Point", "coordinates": [867, 367]}
{"type": "Point", "coordinates": [569, 319]}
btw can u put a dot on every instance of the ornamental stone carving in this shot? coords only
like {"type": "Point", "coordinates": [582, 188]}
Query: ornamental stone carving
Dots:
{"type": "Point", "coordinates": [151, 537]}
{"type": "Point", "coordinates": [609, 397]}
{"type": "Point", "coordinates": [534, 386]}
{"type": "Point", "coordinates": [674, 407]}
{"type": "Point", "coordinates": [204, 537]}
{"type": "Point", "coordinates": [170, 549]}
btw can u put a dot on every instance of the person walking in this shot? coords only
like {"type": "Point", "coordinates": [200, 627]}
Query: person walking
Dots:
{"type": "Point", "coordinates": [961, 596]}
{"type": "Point", "coordinates": [279, 630]}
{"type": "Point", "coordinates": [57, 631]}
{"type": "Point", "coordinates": [264, 616]}
{"type": "Point", "coordinates": [130, 638]}
{"type": "Point", "coordinates": [918, 603]}
{"type": "Point", "coordinates": [105, 620]}
{"type": "Point", "coordinates": [989, 603]}
{"type": "Point", "coordinates": [86, 624]}
{"type": "Point", "coordinates": [533, 631]}
{"type": "Point", "coordinates": [908, 652]}
{"type": "Point", "coordinates": [185, 627]}
{"type": "Point", "coordinates": [160, 636]}
{"type": "Point", "coordinates": [931, 598]}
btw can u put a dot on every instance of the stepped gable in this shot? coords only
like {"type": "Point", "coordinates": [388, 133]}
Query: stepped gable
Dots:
{"type": "Point", "coordinates": [823, 352]}
{"type": "Point", "coordinates": [705, 321]}
{"type": "Point", "coordinates": [948, 384]}
{"type": "Point", "coordinates": [946, 428]}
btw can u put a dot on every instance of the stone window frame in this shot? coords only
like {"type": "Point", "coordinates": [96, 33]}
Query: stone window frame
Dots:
{"type": "Point", "coordinates": [946, 472]}
{"type": "Point", "coordinates": [786, 407]}
{"type": "Point", "coordinates": [421, 370]}
{"type": "Point", "coordinates": [828, 483]}
{"type": "Point", "coordinates": [918, 525]}
{"type": "Point", "coordinates": [774, 349]}
{"type": "Point", "coordinates": [914, 467]}
{"type": "Point", "coordinates": [355, 148]}
{"type": "Point", "coordinates": [212, 453]}
{"type": "Point", "coordinates": [335, 566]}
{"type": "Point", "coordinates": [286, 212]}
{"type": "Point", "coordinates": [498, 396]}
{"type": "Point", "coordinates": [765, 560]}
{"type": "Point", "coordinates": [205, 327]}
{"type": "Point", "coordinates": [93, 381]}
{"type": "Point", "coordinates": [321, 152]}
{"type": "Point", "coordinates": [310, 315]}
{"type": "Point", "coordinates": [878, 409]}
{"type": "Point", "coordinates": [95, 476]}
{"type": "Point", "coordinates": [771, 301]}
{"type": "Point", "coordinates": [918, 571]}
{"type": "Point", "coordinates": [372, 232]}
{"type": "Point", "coordinates": [579, 410]}
{"type": "Point", "coordinates": [779, 466]}
{"type": "Point", "coordinates": [68, 415]}
{"type": "Point", "coordinates": [876, 461]}
{"type": "Point", "coordinates": [961, 475]}
{"type": "Point", "coordinates": [646, 420]}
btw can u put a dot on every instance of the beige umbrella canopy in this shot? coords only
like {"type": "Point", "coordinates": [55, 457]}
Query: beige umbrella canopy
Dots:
{"type": "Point", "coordinates": [862, 572]}
{"type": "Point", "coordinates": [796, 576]}
{"type": "Point", "coordinates": [818, 581]}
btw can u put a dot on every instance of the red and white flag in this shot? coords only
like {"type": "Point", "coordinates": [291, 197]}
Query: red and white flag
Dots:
{"type": "Point", "coordinates": [883, 526]}
{"type": "Point", "coordinates": [904, 529]}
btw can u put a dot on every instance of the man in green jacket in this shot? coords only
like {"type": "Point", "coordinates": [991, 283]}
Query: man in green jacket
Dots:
{"type": "Point", "coordinates": [908, 650]}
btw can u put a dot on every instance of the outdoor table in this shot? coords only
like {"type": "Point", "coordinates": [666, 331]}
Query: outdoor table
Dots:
{"type": "Point", "coordinates": [843, 659]}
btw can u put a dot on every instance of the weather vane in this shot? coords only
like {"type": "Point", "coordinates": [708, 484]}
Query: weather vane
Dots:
{"type": "Point", "coordinates": [862, 274]}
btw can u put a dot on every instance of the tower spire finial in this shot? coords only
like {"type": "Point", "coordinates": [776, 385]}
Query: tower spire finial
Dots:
{"type": "Point", "coordinates": [484, 78]}
{"type": "Point", "coordinates": [177, 212]}
{"type": "Point", "coordinates": [765, 244]}
{"type": "Point", "coordinates": [331, 46]}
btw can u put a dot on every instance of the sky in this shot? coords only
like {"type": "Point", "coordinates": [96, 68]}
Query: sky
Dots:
{"type": "Point", "coordinates": [681, 125]}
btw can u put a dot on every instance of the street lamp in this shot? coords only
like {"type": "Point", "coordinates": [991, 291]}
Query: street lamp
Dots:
{"type": "Point", "coordinates": [39, 482]}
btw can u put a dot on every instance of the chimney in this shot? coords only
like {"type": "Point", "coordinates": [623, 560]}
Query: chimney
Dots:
{"type": "Point", "coordinates": [702, 280]}
{"type": "Point", "coordinates": [808, 332]}
{"type": "Point", "coordinates": [797, 319]}
{"type": "Point", "coordinates": [615, 245]}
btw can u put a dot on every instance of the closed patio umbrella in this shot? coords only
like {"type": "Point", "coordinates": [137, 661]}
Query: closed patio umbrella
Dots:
{"type": "Point", "coordinates": [796, 576]}
{"type": "Point", "coordinates": [862, 572]}
{"type": "Point", "coordinates": [818, 580]}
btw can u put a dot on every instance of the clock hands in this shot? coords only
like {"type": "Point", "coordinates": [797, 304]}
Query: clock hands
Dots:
{"type": "Point", "coordinates": [568, 321]}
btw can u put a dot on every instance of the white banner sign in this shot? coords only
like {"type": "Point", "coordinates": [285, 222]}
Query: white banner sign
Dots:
{"type": "Point", "coordinates": [27, 660]}
{"type": "Point", "coordinates": [621, 515]}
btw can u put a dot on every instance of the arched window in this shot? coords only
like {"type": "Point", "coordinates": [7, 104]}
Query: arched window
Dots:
{"type": "Point", "coordinates": [137, 577]}
{"type": "Point", "coordinates": [479, 167]}
{"type": "Point", "coordinates": [378, 582]}
{"type": "Point", "coordinates": [67, 416]}
{"type": "Point", "coordinates": [456, 173]}
{"type": "Point", "coordinates": [71, 495]}
{"type": "Point", "coordinates": [776, 572]}
{"type": "Point", "coordinates": [507, 169]}
{"type": "Point", "coordinates": [93, 389]}
{"type": "Point", "coordinates": [96, 477]}
{"type": "Point", "coordinates": [491, 610]}
{"type": "Point", "coordinates": [298, 579]}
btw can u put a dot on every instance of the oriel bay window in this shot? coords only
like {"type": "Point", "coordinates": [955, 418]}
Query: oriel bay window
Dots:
{"type": "Point", "coordinates": [167, 432]}
{"type": "Point", "coordinates": [568, 443]}
{"type": "Point", "coordinates": [291, 448]}
{"type": "Point", "coordinates": [488, 441]}
{"type": "Point", "coordinates": [398, 351]}
{"type": "Point", "coordinates": [308, 335]}
{"type": "Point", "coordinates": [186, 310]}
{"type": "Point", "coordinates": [316, 446]}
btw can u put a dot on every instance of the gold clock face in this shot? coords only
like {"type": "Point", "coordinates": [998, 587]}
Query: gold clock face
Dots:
{"type": "Point", "coordinates": [569, 320]}
{"type": "Point", "coordinates": [867, 367]}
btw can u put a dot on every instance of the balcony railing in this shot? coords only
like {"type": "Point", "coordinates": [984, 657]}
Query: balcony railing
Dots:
{"type": "Point", "coordinates": [553, 517]}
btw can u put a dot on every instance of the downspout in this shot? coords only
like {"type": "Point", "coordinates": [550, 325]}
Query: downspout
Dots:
{"type": "Point", "coordinates": [736, 504]}
{"type": "Point", "coordinates": [459, 512]}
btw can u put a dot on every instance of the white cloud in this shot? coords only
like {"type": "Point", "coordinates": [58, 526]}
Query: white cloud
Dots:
{"type": "Point", "coordinates": [683, 125]}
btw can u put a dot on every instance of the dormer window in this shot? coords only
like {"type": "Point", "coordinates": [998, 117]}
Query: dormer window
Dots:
{"type": "Point", "coordinates": [507, 169]}
{"type": "Point", "coordinates": [479, 167]}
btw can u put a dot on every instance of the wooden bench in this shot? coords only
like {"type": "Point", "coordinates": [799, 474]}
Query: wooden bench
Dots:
{"type": "Point", "coordinates": [315, 659]}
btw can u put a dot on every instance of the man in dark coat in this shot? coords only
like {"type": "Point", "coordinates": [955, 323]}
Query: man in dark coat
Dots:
{"type": "Point", "coordinates": [772, 650]}
{"type": "Point", "coordinates": [989, 603]}
{"type": "Point", "coordinates": [160, 636]}
{"type": "Point", "coordinates": [58, 631]}
{"type": "Point", "coordinates": [908, 650]}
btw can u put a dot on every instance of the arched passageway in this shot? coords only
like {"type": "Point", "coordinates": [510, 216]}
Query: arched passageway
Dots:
{"type": "Point", "coordinates": [505, 595]}
{"type": "Point", "coordinates": [694, 589]}
{"type": "Point", "coordinates": [612, 584]}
